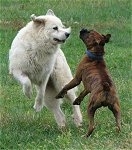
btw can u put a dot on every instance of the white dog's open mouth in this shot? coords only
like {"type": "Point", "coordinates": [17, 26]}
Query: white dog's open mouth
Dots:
{"type": "Point", "coordinates": [59, 41]}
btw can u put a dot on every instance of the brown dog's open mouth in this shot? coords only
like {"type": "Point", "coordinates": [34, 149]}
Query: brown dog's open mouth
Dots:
{"type": "Point", "coordinates": [59, 41]}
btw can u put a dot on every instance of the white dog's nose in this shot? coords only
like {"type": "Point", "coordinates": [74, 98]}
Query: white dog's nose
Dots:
{"type": "Point", "coordinates": [67, 34]}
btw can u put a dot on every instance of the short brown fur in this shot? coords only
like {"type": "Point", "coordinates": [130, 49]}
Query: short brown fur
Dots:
{"type": "Point", "coordinates": [96, 79]}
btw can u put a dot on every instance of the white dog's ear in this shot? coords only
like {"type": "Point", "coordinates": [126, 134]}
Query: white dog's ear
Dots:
{"type": "Point", "coordinates": [33, 17]}
{"type": "Point", "coordinates": [37, 19]}
{"type": "Point", "coordinates": [50, 12]}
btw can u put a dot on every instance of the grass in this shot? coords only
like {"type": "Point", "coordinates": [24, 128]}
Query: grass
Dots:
{"type": "Point", "coordinates": [21, 127]}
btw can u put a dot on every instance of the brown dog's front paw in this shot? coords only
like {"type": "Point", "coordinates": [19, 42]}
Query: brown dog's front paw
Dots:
{"type": "Point", "coordinates": [76, 103]}
{"type": "Point", "coordinates": [60, 95]}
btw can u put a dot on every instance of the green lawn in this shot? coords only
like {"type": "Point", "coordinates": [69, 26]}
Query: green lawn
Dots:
{"type": "Point", "coordinates": [24, 129]}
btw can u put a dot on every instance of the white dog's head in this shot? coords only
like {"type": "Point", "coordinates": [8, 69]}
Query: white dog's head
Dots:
{"type": "Point", "coordinates": [51, 28]}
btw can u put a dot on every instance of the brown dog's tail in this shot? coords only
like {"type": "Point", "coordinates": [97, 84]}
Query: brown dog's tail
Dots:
{"type": "Point", "coordinates": [106, 86]}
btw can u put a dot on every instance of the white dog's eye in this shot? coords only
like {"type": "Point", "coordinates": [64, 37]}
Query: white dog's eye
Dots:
{"type": "Point", "coordinates": [55, 28]}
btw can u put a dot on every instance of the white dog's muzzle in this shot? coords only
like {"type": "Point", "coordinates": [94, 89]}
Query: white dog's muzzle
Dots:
{"type": "Point", "coordinates": [65, 35]}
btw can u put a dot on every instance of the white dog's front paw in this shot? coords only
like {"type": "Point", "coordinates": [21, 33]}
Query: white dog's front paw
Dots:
{"type": "Point", "coordinates": [38, 107]}
{"type": "Point", "coordinates": [27, 90]}
{"type": "Point", "coordinates": [77, 120]}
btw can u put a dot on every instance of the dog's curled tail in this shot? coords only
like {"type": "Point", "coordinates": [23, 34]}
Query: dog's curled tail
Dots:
{"type": "Point", "coordinates": [106, 86]}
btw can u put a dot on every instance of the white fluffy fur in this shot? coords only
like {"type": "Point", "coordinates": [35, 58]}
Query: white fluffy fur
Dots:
{"type": "Point", "coordinates": [35, 57]}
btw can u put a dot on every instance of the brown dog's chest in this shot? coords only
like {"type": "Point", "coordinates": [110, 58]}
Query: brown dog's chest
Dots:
{"type": "Point", "coordinates": [93, 73]}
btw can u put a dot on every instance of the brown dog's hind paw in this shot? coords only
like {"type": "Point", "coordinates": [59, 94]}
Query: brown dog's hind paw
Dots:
{"type": "Point", "coordinates": [85, 136]}
{"type": "Point", "coordinates": [88, 135]}
{"type": "Point", "coordinates": [118, 129]}
{"type": "Point", "coordinates": [90, 131]}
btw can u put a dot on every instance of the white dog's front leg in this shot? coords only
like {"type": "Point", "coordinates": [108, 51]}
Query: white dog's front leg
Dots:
{"type": "Point", "coordinates": [39, 100]}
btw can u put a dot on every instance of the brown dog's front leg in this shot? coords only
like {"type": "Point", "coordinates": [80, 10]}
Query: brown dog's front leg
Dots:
{"type": "Point", "coordinates": [61, 94]}
{"type": "Point", "coordinates": [67, 87]}
{"type": "Point", "coordinates": [80, 97]}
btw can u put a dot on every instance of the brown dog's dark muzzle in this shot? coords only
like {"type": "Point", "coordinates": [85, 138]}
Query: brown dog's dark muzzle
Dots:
{"type": "Point", "coordinates": [83, 33]}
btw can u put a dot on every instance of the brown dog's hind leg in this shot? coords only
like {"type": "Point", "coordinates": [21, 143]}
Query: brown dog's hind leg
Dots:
{"type": "Point", "coordinates": [91, 112]}
{"type": "Point", "coordinates": [116, 111]}
{"type": "Point", "coordinates": [80, 97]}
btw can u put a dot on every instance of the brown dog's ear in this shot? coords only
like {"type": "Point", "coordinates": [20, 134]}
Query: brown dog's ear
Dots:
{"type": "Point", "coordinates": [107, 37]}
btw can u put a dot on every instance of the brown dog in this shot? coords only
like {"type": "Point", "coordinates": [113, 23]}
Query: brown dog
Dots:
{"type": "Point", "coordinates": [93, 73]}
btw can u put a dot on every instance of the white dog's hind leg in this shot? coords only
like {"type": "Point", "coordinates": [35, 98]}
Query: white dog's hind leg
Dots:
{"type": "Point", "coordinates": [54, 105]}
{"type": "Point", "coordinates": [59, 116]}
{"type": "Point", "coordinates": [25, 81]}
{"type": "Point", "coordinates": [60, 76]}
{"type": "Point", "coordinates": [77, 116]}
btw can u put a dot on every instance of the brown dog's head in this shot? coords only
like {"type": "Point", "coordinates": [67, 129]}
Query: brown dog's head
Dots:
{"type": "Point", "coordinates": [94, 41]}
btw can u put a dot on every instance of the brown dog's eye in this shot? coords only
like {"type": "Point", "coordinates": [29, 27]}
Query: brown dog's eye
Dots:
{"type": "Point", "coordinates": [55, 28]}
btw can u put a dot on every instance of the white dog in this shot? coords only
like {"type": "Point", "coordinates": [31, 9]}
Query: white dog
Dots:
{"type": "Point", "coordinates": [35, 57]}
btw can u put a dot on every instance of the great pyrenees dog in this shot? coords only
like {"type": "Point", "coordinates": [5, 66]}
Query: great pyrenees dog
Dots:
{"type": "Point", "coordinates": [35, 58]}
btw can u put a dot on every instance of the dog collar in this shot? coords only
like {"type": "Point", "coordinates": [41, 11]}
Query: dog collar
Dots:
{"type": "Point", "coordinates": [93, 56]}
